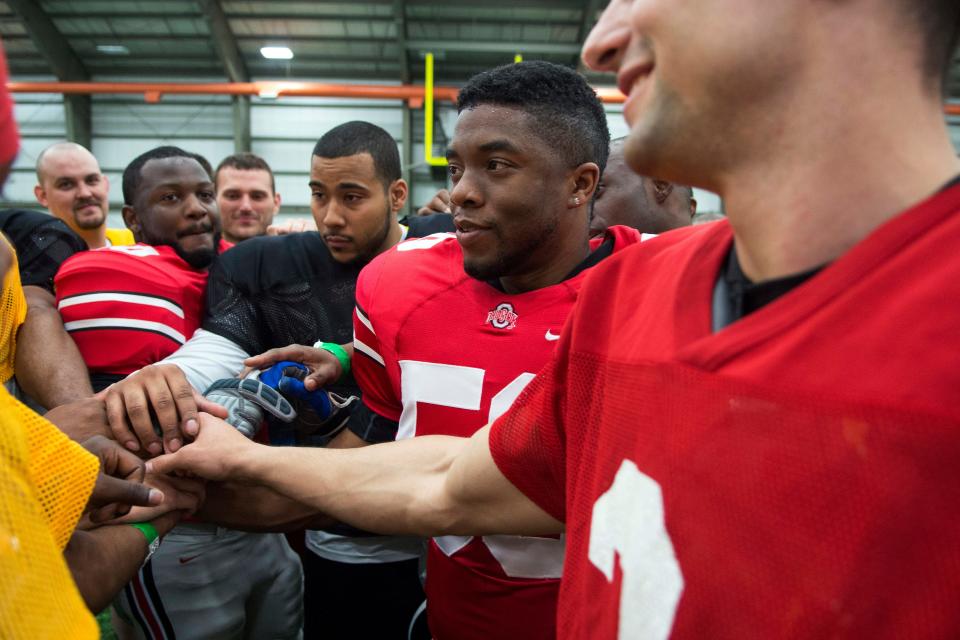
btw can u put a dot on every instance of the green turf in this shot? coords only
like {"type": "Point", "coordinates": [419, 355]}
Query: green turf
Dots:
{"type": "Point", "coordinates": [106, 630]}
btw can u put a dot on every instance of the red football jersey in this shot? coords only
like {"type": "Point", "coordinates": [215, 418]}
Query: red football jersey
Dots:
{"type": "Point", "coordinates": [128, 307]}
{"type": "Point", "coordinates": [795, 474]}
{"type": "Point", "coordinates": [443, 353]}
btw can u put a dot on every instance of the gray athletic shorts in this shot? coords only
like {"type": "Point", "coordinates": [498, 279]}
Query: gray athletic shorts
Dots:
{"type": "Point", "coordinates": [208, 582]}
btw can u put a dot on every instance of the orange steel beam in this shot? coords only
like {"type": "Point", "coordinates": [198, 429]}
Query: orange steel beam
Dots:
{"type": "Point", "coordinates": [152, 90]}
{"type": "Point", "coordinates": [268, 89]}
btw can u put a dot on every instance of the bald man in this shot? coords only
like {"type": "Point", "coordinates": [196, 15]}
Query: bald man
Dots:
{"type": "Point", "coordinates": [71, 186]}
{"type": "Point", "coordinates": [648, 205]}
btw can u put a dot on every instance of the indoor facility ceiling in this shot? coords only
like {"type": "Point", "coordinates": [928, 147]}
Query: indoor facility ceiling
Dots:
{"type": "Point", "coordinates": [374, 41]}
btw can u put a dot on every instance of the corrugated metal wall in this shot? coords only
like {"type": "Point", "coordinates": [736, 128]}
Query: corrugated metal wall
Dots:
{"type": "Point", "coordinates": [283, 131]}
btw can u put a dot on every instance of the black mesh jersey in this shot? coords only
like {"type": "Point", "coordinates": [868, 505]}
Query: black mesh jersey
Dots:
{"type": "Point", "coordinates": [273, 291]}
{"type": "Point", "coordinates": [42, 243]}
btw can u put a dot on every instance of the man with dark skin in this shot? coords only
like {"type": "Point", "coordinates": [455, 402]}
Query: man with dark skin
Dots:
{"type": "Point", "coordinates": [274, 291]}
{"type": "Point", "coordinates": [155, 303]}
{"type": "Point", "coordinates": [645, 204]}
{"type": "Point", "coordinates": [48, 482]}
{"type": "Point", "coordinates": [171, 210]}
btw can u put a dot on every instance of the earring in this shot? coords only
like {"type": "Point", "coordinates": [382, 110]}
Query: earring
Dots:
{"type": "Point", "coordinates": [576, 202]}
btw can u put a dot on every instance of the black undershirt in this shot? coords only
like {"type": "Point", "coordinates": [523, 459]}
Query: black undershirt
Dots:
{"type": "Point", "coordinates": [742, 296]}
{"type": "Point", "coordinates": [605, 250]}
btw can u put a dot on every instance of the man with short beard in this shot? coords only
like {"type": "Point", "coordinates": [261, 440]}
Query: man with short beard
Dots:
{"type": "Point", "coordinates": [71, 186]}
{"type": "Point", "coordinates": [128, 307]}
{"type": "Point", "coordinates": [274, 291]}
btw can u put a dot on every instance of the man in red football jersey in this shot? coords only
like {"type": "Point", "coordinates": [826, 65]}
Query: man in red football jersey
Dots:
{"type": "Point", "coordinates": [128, 307]}
{"type": "Point", "coordinates": [749, 428]}
{"type": "Point", "coordinates": [480, 316]}
{"type": "Point", "coordinates": [506, 281]}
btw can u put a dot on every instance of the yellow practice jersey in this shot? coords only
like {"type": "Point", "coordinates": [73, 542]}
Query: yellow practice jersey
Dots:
{"type": "Point", "coordinates": [47, 480]}
{"type": "Point", "coordinates": [13, 311]}
{"type": "Point", "coordinates": [120, 237]}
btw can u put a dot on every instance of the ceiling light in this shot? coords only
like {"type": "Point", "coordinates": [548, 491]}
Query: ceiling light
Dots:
{"type": "Point", "coordinates": [276, 53]}
{"type": "Point", "coordinates": [113, 49]}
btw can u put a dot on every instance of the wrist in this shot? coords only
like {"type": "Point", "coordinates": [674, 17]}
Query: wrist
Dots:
{"type": "Point", "coordinates": [343, 358]}
{"type": "Point", "coordinates": [163, 524]}
{"type": "Point", "coordinates": [254, 464]}
{"type": "Point", "coordinates": [150, 534]}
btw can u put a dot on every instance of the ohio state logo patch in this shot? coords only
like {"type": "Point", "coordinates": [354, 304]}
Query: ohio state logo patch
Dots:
{"type": "Point", "coordinates": [503, 317]}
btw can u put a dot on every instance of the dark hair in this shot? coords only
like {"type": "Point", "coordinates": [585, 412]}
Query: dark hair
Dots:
{"type": "Point", "coordinates": [939, 22]}
{"type": "Point", "coordinates": [569, 115]}
{"type": "Point", "coordinates": [246, 161]}
{"type": "Point", "coordinates": [132, 175]}
{"type": "Point", "coordinates": [362, 137]}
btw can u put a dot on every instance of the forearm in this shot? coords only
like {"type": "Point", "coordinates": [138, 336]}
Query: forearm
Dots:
{"type": "Point", "coordinates": [103, 560]}
{"type": "Point", "coordinates": [396, 488]}
{"type": "Point", "coordinates": [258, 509]}
{"type": "Point", "coordinates": [48, 365]}
{"type": "Point", "coordinates": [426, 486]}
{"type": "Point", "coordinates": [207, 357]}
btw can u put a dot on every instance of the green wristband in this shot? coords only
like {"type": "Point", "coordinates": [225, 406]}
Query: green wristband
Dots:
{"type": "Point", "coordinates": [337, 351]}
{"type": "Point", "coordinates": [147, 529]}
{"type": "Point", "coordinates": [150, 532]}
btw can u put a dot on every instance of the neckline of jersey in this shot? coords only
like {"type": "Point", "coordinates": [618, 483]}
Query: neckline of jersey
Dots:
{"type": "Point", "coordinates": [700, 346]}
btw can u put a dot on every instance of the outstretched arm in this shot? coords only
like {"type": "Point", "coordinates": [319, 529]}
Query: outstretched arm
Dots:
{"type": "Point", "coordinates": [431, 485]}
{"type": "Point", "coordinates": [259, 509]}
{"type": "Point", "coordinates": [48, 364]}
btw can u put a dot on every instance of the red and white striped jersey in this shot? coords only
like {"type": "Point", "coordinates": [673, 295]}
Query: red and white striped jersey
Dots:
{"type": "Point", "coordinates": [443, 353]}
{"type": "Point", "coordinates": [128, 307]}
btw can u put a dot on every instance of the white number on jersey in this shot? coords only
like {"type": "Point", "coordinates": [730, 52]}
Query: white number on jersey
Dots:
{"type": "Point", "coordinates": [628, 522]}
{"type": "Point", "coordinates": [460, 387]}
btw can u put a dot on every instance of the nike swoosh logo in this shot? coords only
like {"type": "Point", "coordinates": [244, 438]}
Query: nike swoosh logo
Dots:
{"type": "Point", "coordinates": [551, 336]}
{"type": "Point", "coordinates": [187, 559]}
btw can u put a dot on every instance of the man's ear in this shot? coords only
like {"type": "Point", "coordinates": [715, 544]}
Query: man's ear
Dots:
{"type": "Point", "coordinates": [276, 202]}
{"type": "Point", "coordinates": [398, 195]}
{"type": "Point", "coordinates": [41, 195]}
{"type": "Point", "coordinates": [584, 181]}
{"type": "Point", "coordinates": [132, 221]}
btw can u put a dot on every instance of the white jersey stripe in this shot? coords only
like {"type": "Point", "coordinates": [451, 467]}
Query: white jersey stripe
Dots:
{"type": "Point", "coordinates": [125, 323]}
{"type": "Point", "coordinates": [365, 321]}
{"type": "Point", "coordinates": [359, 346]}
{"type": "Point", "coordinates": [130, 298]}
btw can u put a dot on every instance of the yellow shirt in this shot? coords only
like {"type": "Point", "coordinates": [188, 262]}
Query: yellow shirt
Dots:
{"type": "Point", "coordinates": [46, 481]}
{"type": "Point", "coordinates": [13, 311]}
{"type": "Point", "coordinates": [120, 237]}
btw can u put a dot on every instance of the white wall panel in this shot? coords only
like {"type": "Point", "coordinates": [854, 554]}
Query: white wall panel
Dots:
{"type": "Point", "coordinates": [283, 131]}
{"type": "Point", "coordinates": [310, 121]}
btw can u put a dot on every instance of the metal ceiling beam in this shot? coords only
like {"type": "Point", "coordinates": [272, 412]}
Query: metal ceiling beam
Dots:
{"type": "Point", "coordinates": [400, 16]}
{"type": "Point", "coordinates": [224, 41]}
{"type": "Point", "coordinates": [585, 24]}
{"type": "Point", "coordinates": [225, 44]}
{"type": "Point", "coordinates": [489, 46]}
{"type": "Point", "coordinates": [64, 63]}
{"type": "Point", "coordinates": [51, 44]}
